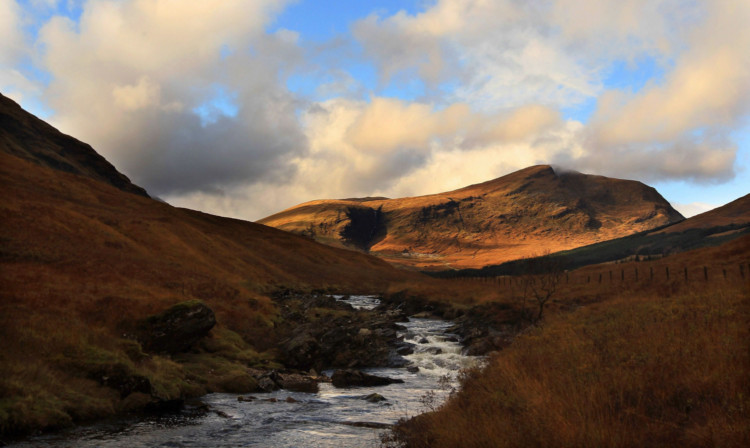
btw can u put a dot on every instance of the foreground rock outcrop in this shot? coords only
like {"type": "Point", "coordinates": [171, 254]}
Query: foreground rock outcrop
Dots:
{"type": "Point", "coordinates": [319, 332]}
{"type": "Point", "coordinates": [176, 329]}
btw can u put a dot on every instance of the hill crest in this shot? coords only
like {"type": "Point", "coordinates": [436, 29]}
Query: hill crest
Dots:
{"type": "Point", "coordinates": [486, 223]}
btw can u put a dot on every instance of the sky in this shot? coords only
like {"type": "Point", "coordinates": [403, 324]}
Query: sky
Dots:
{"type": "Point", "coordinates": [244, 108]}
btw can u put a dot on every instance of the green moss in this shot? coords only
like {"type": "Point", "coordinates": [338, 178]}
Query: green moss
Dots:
{"type": "Point", "coordinates": [22, 414]}
{"type": "Point", "coordinates": [237, 382]}
{"type": "Point", "coordinates": [57, 375]}
{"type": "Point", "coordinates": [168, 379]}
{"type": "Point", "coordinates": [132, 350]}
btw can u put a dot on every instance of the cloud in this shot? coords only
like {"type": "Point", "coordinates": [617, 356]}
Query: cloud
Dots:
{"type": "Point", "coordinates": [555, 53]}
{"type": "Point", "coordinates": [191, 99]}
{"type": "Point", "coordinates": [10, 32]}
{"type": "Point", "coordinates": [694, 208]}
{"type": "Point", "coordinates": [681, 128]}
{"type": "Point", "coordinates": [13, 50]}
{"type": "Point", "coordinates": [386, 124]}
{"type": "Point", "coordinates": [505, 53]}
{"type": "Point", "coordinates": [144, 81]}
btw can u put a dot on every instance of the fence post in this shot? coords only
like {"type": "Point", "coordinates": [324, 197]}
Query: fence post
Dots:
{"type": "Point", "coordinates": [705, 272]}
{"type": "Point", "coordinates": [600, 278]}
{"type": "Point", "coordinates": [725, 273]}
{"type": "Point", "coordinates": [610, 276]}
{"type": "Point", "coordinates": [667, 272]}
{"type": "Point", "coordinates": [622, 275]}
{"type": "Point", "coordinates": [685, 268]}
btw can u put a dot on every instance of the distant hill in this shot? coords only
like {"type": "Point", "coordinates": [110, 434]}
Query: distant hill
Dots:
{"type": "Point", "coordinates": [734, 213]}
{"type": "Point", "coordinates": [713, 228]}
{"type": "Point", "coordinates": [514, 216]}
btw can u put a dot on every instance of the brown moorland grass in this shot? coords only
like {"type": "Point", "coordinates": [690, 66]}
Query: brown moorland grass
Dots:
{"type": "Point", "coordinates": [705, 268]}
{"type": "Point", "coordinates": [662, 363]}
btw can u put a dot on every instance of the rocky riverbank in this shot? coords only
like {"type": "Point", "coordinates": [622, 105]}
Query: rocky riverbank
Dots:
{"type": "Point", "coordinates": [318, 331]}
{"type": "Point", "coordinates": [482, 328]}
{"type": "Point", "coordinates": [183, 352]}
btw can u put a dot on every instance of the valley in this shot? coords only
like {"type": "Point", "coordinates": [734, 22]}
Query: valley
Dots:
{"type": "Point", "coordinates": [117, 305]}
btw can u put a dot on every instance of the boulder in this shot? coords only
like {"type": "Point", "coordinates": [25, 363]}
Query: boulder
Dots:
{"type": "Point", "coordinates": [353, 378]}
{"type": "Point", "coordinates": [405, 349]}
{"type": "Point", "coordinates": [373, 425]}
{"type": "Point", "coordinates": [266, 384]}
{"type": "Point", "coordinates": [374, 398]}
{"type": "Point", "coordinates": [297, 382]}
{"type": "Point", "coordinates": [301, 350]}
{"type": "Point", "coordinates": [176, 329]}
{"type": "Point", "coordinates": [432, 350]}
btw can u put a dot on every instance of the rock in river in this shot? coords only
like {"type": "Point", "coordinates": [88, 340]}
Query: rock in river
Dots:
{"type": "Point", "coordinates": [351, 378]}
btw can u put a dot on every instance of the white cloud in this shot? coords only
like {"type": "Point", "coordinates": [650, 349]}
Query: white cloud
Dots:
{"type": "Point", "coordinates": [10, 32]}
{"type": "Point", "coordinates": [130, 76]}
{"type": "Point", "coordinates": [13, 49]}
{"type": "Point", "coordinates": [138, 96]}
{"type": "Point", "coordinates": [189, 98]}
{"type": "Point", "coordinates": [555, 53]}
{"type": "Point", "coordinates": [681, 128]}
{"type": "Point", "coordinates": [693, 208]}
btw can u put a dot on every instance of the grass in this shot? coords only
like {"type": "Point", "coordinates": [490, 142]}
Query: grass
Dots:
{"type": "Point", "coordinates": [634, 370]}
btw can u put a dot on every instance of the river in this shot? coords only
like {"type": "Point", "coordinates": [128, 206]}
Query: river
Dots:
{"type": "Point", "coordinates": [322, 419]}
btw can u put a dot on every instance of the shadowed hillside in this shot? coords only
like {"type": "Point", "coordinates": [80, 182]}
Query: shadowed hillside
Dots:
{"type": "Point", "coordinates": [25, 136]}
{"type": "Point", "coordinates": [503, 219]}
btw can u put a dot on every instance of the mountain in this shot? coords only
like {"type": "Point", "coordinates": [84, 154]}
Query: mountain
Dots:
{"type": "Point", "coordinates": [514, 216]}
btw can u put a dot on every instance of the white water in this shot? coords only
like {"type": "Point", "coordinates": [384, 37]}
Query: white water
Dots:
{"type": "Point", "coordinates": [315, 420]}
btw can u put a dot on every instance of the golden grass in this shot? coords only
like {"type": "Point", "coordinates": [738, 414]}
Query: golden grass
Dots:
{"type": "Point", "coordinates": [636, 370]}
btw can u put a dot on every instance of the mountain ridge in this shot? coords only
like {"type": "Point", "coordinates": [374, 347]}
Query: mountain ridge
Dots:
{"type": "Point", "coordinates": [500, 219]}
{"type": "Point", "coordinates": [26, 136]}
